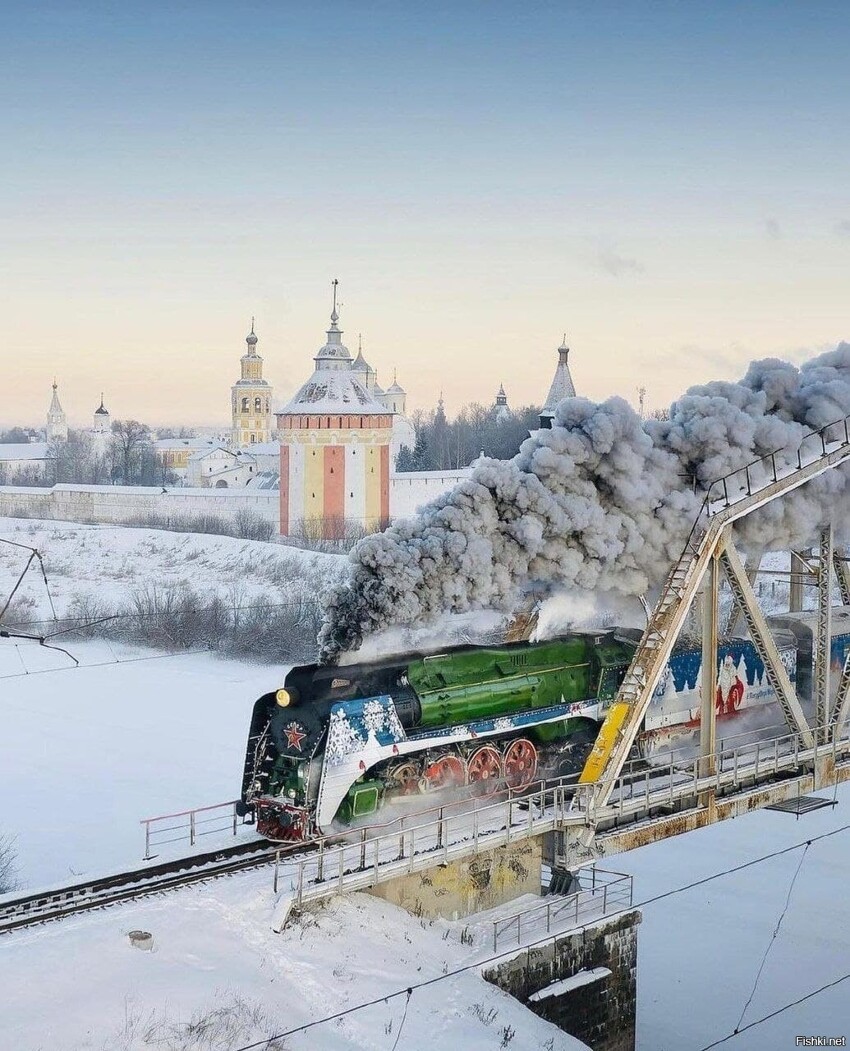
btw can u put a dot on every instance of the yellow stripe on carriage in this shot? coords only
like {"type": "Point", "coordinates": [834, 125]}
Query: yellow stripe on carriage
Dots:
{"type": "Point", "coordinates": [605, 741]}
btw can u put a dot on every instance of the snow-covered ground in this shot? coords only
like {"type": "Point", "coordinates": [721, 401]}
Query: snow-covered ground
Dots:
{"type": "Point", "coordinates": [699, 951]}
{"type": "Point", "coordinates": [214, 946]}
{"type": "Point", "coordinates": [86, 752]}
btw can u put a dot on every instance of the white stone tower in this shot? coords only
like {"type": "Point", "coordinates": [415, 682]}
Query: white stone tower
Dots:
{"type": "Point", "coordinates": [251, 399]}
{"type": "Point", "coordinates": [501, 408]}
{"type": "Point", "coordinates": [57, 424]}
{"type": "Point", "coordinates": [101, 423]}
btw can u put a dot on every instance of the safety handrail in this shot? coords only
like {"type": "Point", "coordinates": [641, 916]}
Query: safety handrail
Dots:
{"type": "Point", "coordinates": [601, 891]}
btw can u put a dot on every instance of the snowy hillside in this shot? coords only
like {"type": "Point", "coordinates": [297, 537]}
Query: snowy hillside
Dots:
{"type": "Point", "coordinates": [168, 590]}
{"type": "Point", "coordinates": [107, 563]}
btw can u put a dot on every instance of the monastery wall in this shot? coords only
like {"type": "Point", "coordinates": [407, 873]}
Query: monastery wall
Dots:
{"type": "Point", "coordinates": [409, 490]}
{"type": "Point", "coordinates": [116, 504]}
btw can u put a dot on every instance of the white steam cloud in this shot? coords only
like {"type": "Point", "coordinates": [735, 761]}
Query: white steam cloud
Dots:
{"type": "Point", "coordinates": [601, 502]}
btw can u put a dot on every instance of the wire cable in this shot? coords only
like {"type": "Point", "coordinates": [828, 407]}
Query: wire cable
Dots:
{"type": "Point", "coordinates": [97, 664]}
{"type": "Point", "coordinates": [35, 554]}
{"type": "Point", "coordinates": [403, 1019]}
{"type": "Point", "coordinates": [778, 1011]}
{"type": "Point", "coordinates": [774, 936]}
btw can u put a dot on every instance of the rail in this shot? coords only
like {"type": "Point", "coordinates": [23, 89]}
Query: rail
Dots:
{"type": "Point", "coordinates": [54, 903]}
{"type": "Point", "coordinates": [602, 892]}
{"type": "Point", "coordinates": [191, 825]}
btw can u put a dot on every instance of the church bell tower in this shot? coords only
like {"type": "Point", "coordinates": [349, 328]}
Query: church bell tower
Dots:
{"type": "Point", "coordinates": [251, 399]}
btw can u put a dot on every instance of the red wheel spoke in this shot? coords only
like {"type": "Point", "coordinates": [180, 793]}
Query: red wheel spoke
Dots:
{"type": "Point", "coordinates": [520, 763]}
{"type": "Point", "coordinates": [485, 769]}
{"type": "Point", "coordinates": [449, 771]}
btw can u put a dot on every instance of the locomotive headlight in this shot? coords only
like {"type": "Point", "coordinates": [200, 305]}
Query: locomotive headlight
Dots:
{"type": "Point", "coordinates": [282, 697]}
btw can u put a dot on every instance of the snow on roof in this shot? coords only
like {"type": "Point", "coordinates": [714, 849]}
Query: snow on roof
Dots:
{"type": "Point", "coordinates": [264, 480]}
{"type": "Point", "coordinates": [24, 451]}
{"type": "Point", "coordinates": [337, 390]}
{"type": "Point", "coordinates": [184, 443]}
{"type": "Point", "coordinates": [202, 453]}
{"type": "Point", "coordinates": [562, 385]}
{"type": "Point", "coordinates": [361, 364]}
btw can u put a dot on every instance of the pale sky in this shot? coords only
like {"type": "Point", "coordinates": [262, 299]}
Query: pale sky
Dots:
{"type": "Point", "coordinates": [667, 182]}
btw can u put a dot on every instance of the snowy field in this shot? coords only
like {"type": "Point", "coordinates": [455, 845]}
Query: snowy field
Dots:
{"type": "Point", "coordinates": [699, 950]}
{"type": "Point", "coordinates": [214, 947]}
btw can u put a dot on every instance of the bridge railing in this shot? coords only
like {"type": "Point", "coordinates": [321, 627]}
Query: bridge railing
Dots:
{"type": "Point", "coordinates": [363, 857]}
{"type": "Point", "coordinates": [190, 825]}
{"type": "Point", "coordinates": [438, 837]}
{"type": "Point", "coordinates": [766, 469]}
{"type": "Point", "coordinates": [602, 892]}
{"type": "Point", "coordinates": [756, 760]}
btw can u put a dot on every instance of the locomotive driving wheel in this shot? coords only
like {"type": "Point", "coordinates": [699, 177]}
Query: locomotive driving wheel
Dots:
{"type": "Point", "coordinates": [520, 763]}
{"type": "Point", "coordinates": [485, 768]}
{"type": "Point", "coordinates": [449, 771]}
{"type": "Point", "coordinates": [405, 778]}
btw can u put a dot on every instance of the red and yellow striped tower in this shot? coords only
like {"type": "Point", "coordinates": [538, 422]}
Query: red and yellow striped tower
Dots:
{"type": "Point", "coordinates": [334, 449]}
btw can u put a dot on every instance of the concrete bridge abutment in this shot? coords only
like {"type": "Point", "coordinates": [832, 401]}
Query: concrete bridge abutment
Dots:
{"type": "Point", "coordinates": [584, 981]}
{"type": "Point", "coordinates": [469, 885]}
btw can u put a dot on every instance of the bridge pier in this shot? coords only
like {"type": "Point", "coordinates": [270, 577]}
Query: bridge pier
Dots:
{"type": "Point", "coordinates": [468, 885]}
{"type": "Point", "coordinates": [584, 982]}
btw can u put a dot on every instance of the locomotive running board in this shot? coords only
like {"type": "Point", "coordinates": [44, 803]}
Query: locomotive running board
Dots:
{"type": "Point", "coordinates": [726, 501]}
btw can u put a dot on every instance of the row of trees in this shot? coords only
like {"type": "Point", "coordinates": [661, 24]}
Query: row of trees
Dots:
{"type": "Point", "coordinates": [448, 445]}
{"type": "Point", "coordinates": [126, 456]}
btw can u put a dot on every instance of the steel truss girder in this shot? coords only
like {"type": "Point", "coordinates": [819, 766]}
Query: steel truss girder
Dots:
{"type": "Point", "coordinates": [708, 669]}
{"type": "Point", "coordinates": [735, 614]}
{"type": "Point", "coordinates": [842, 574]}
{"type": "Point", "coordinates": [841, 708]}
{"type": "Point", "coordinates": [824, 633]}
{"type": "Point", "coordinates": [764, 642]}
{"type": "Point", "coordinates": [626, 714]}
{"type": "Point", "coordinates": [795, 598]}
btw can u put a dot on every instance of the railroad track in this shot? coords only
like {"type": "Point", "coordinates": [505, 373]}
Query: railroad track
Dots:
{"type": "Point", "coordinates": [55, 904]}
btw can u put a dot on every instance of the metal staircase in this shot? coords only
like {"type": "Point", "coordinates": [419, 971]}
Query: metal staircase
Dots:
{"type": "Point", "coordinates": [727, 499]}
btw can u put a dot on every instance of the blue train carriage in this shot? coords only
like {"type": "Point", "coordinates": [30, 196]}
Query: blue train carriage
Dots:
{"type": "Point", "coordinates": [803, 626]}
{"type": "Point", "coordinates": [673, 716]}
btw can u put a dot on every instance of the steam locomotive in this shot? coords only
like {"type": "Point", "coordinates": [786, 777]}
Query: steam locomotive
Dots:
{"type": "Point", "coordinates": [336, 743]}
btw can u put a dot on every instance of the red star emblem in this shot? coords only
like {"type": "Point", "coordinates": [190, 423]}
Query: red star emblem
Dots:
{"type": "Point", "coordinates": [294, 736]}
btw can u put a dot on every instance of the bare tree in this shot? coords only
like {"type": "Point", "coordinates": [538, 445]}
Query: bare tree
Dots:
{"type": "Point", "coordinates": [131, 448]}
{"type": "Point", "coordinates": [8, 864]}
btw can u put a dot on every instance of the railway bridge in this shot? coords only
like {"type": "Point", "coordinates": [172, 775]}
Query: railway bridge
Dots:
{"type": "Point", "coordinates": [616, 804]}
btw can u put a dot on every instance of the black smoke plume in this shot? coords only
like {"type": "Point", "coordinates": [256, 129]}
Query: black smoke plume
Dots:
{"type": "Point", "coordinates": [603, 501]}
